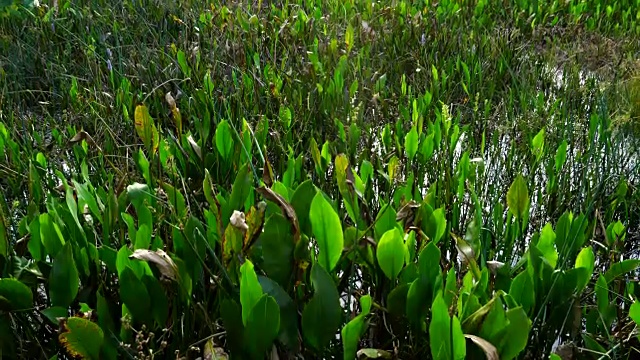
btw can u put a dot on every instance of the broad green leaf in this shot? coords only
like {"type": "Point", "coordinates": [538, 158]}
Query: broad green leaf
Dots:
{"type": "Point", "coordinates": [322, 316]}
{"type": "Point", "coordinates": [288, 312]}
{"type": "Point", "coordinates": [327, 230]}
{"type": "Point", "coordinates": [224, 140]}
{"type": "Point", "coordinates": [385, 221]}
{"type": "Point", "coordinates": [232, 321]}
{"type": "Point", "coordinates": [374, 354]}
{"type": "Point", "coordinates": [397, 300]}
{"type": "Point", "coordinates": [621, 268]}
{"type": "Point", "coordinates": [586, 259]}
{"type": "Point", "coordinates": [277, 249]}
{"type": "Point", "coordinates": [518, 197]}
{"type": "Point", "coordinates": [15, 295]}
{"type": "Point", "coordinates": [391, 253]}
{"type": "Point", "coordinates": [135, 296]}
{"type": "Point", "coordinates": [82, 338]}
{"type": "Point", "coordinates": [262, 326]}
{"type": "Point", "coordinates": [301, 203]}
{"type": "Point", "coordinates": [411, 143]}
{"type": "Point", "coordinates": [446, 339]}
{"type": "Point", "coordinates": [634, 312]}
{"type": "Point", "coordinates": [250, 290]}
{"type": "Point", "coordinates": [55, 312]}
{"type": "Point", "coordinates": [64, 279]}
{"type": "Point", "coordinates": [546, 245]}
{"type": "Point", "coordinates": [50, 235]}
{"type": "Point", "coordinates": [561, 155]}
{"type": "Point", "coordinates": [537, 144]}
{"type": "Point", "coordinates": [354, 329]}
{"type": "Point", "coordinates": [437, 225]}
{"type": "Point", "coordinates": [518, 334]}
{"type": "Point", "coordinates": [159, 302]}
{"type": "Point", "coordinates": [240, 191]}
{"type": "Point", "coordinates": [522, 290]}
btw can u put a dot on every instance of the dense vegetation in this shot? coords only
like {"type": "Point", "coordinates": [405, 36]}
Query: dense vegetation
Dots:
{"type": "Point", "coordinates": [319, 179]}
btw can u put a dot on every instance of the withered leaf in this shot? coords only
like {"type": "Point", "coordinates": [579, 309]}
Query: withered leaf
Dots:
{"type": "Point", "coordinates": [287, 209]}
{"type": "Point", "coordinates": [489, 350]}
{"type": "Point", "coordinates": [161, 259]}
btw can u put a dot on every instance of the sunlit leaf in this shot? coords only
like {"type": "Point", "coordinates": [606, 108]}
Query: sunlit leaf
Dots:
{"type": "Point", "coordinates": [390, 253]}
{"type": "Point", "coordinates": [250, 290]}
{"type": "Point", "coordinates": [327, 230]}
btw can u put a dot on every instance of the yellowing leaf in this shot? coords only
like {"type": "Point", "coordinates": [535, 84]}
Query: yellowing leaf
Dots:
{"type": "Point", "coordinates": [81, 338]}
{"type": "Point", "coordinates": [146, 129]}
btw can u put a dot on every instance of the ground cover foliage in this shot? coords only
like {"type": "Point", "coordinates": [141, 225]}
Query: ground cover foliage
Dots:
{"type": "Point", "coordinates": [319, 179]}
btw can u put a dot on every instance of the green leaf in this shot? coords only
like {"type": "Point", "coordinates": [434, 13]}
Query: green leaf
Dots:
{"type": "Point", "coordinates": [55, 312]}
{"type": "Point", "coordinates": [537, 144]}
{"type": "Point", "coordinates": [15, 295]}
{"type": "Point", "coordinates": [522, 290]}
{"type": "Point", "coordinates": [411, 143]}
{"type": "Point", "coordinates": [546, 245]}
{"type": "Point", "coordinates": [277, 249]}
{"type": "Point", "coordinates": [385, 221]}
{"type": "Point", "coordinates": [224, 140]}
{"type": "Point", "coordinates": [634, 312]}
{"type": "Point", "coordinates": [82, 338]}
{"type": "Point", "coordinates": [50, 235]}
{"type": "Point", "coordinates": [322, 315]}
{"type": "Point", "coordinates": [288, 312]}
{"type": "Point", "coordinates": [135, 296]}
{"type": "Point", "coordinates": [354, 329]}
{"type": "Point", "coordinates": [327, 229]}
{"type": "Point", "coordinates": [262, 326]}
{"type": "Point", "coordinates": [518, 334]}
{"type": "Point", "coordinates": [437, 225]}
{"type": "Point", "coordinates": [445, 336]}
{"type": "Point", "coordinates": [64, 280]}
{"type": "Point", "coordinates": [390, 253]}
{"type": "Point", "coordinates": [561, 155]}
{"type": "Point", "coordinates": [301, 203]}
{"type": "Point", "coordinates": [240, 191]}
{"type": "Point", "coordinates": [518, 197]}
{"type": "Point", "coordinates": [586, 259]}
{"type": "Point", "coordinates": [250, 290]}
{"type": "Point", "coordinates": [621, 268]}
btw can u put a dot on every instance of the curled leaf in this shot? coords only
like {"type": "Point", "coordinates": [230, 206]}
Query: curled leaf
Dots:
{"type": "Point", "coordinates": [489, 350]}
{"type": "Point", "coordinates": [287, 209]}
{"type": "Point", "coordinates": [83, 135]}
{"type": "Point", "coordinates": [161, 259]}
{"type": "Point", "coordinates": [195, 146]}
{"type": "Point", "coordinates": [373, 354]}
{"type": "Point", "coordinates": [494, 266]}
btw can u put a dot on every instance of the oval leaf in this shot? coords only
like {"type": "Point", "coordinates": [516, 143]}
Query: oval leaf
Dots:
{"type": "Point", "coordinates": [16, 295]}
{"type": "Point", "coordinates": [63, 280]}
{"type": "Point", "coordinates": [82, 338]}
{"type": "Point", "coordinates": [390, 253]}
{"type": "Point", "coordinates": [518, 197]}
{"type": "Point", "coordinates": [327, 229]}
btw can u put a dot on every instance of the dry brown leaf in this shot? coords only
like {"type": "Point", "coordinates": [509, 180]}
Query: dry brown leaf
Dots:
{"type": "Point", "coordinates": [160, 258]}
{"type": "Point", "coordinates": [82, 135]}
{"type": "Point", "coordinates": [286, 208]}
{"type": "Point", "coordinates": [489, 350]}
